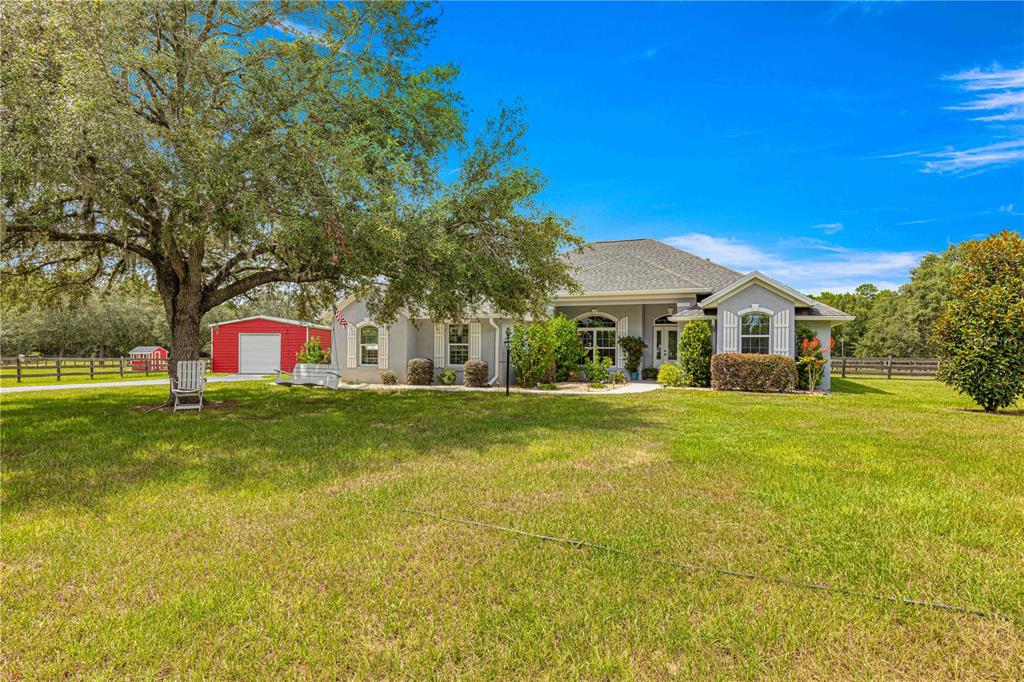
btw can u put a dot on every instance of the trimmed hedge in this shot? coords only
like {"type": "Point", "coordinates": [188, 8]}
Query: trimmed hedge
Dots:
{"type": "Point", "coordinates": [670, 374]}
{"type": "Point", "coordinates": [389, 377]}
{"type": "Point", "coordinates": [752, 372]}
{"type": "Point", "coordinates": [475, 373]}
{"type": "Point", "coordinates": [419, 371]}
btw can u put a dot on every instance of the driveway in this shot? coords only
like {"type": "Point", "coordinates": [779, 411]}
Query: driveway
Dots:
{"type": "Point", "coordinates": [115, 384]}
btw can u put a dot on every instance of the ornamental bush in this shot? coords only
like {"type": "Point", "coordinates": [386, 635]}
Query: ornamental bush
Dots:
{"type": "Point", "coordinates": [312, 353]}
{"type": "Point", "coordinates": [475, 373]}
{"type": "Point", "coordinates": [980, 334]}
{"type": "Point", "coordinates": [633, 347]}
{"type": "Point", "coordinates": [695, 354]}
{"type": "Point", "coordinates": [419, 371]}
{"type": "Point", "coordinates": [389, 377]}
{"type": "Point", "coordinates": [670, 374]}
{"type": "Point", "coordinates": [532, 353]}
{"type": "Point", "coordinates": [752, 372]}
{"type": "Point", "coordinates": [597, 370]}
{"type": "Point", "coordinates": [568, 349]}
{"type": "Point", "coordinates": [447, 377]}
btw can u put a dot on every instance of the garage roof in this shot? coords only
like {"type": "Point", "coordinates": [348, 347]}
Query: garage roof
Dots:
{"type": "Point", "coordinates": [297, 323]}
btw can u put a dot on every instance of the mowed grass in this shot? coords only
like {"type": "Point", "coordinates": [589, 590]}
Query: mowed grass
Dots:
{"type": "Point", "coordinates": [39, 377]}
{"type": "Point", "coordinates": [267, 538]}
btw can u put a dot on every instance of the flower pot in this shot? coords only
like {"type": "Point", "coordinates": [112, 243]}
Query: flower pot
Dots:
{"type": "Point", "coordinates": [633, 376]}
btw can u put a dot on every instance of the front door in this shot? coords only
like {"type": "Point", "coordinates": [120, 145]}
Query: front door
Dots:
{"type": "Point", "coordinates": [666, 342]}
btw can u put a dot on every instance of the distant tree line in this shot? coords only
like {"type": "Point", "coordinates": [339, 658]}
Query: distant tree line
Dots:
{"type": "Point", "coordinates": [109, 324]}
{"type": "Point", "coordinates": [899, 323]}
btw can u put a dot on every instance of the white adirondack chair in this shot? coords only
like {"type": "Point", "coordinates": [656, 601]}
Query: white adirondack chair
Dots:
{"type": "Point", "coordinates": [309, 375]}
{"type": "Point", "coordinates": [191, 383]}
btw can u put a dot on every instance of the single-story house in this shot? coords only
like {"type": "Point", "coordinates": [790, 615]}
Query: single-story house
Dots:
{"type": "Point", "coordinates": [631, 287]}
{"type": "Point", "coordinates": [261, 344]}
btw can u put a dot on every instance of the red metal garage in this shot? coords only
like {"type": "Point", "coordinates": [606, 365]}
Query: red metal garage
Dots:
{"type": "Point", "coordinates": [262, 344]}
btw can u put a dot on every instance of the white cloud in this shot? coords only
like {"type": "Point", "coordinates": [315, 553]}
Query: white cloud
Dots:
{"type": "Point", "coordinates": [829, 228]}
{"type": "Point", "coordinates": [1012, 209]}
{"type": "Point", "coordinates": [298, 28]}
{"type": "Point", "coordinates": [997, 95]}
{"type": "Point", "coordinates": [977, 158]}
{"type": "Point", "coordinates": [807, 264]}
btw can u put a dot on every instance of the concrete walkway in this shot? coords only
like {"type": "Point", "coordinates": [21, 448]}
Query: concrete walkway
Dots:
{"type": "Point", "coordinates": [117, 384]}
{"type": "Point", "coordinates": [563, 389]}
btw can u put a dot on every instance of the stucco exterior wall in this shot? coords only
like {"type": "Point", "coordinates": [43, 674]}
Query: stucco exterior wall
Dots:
{"type": "Point", "coordinates": [823, 330]}
{"type": "Point", "coordinates": [767, 301]}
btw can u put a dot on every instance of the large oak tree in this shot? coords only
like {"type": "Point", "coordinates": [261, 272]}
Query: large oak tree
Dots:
{"type": "Point", "coordinates": [215, 147]}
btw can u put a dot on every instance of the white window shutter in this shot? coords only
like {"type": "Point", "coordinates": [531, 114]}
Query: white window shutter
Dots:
{"type": "Point", "coordinates": [382, 346]}
{"type": "Point", "coordinates": [352, 332]}
{"type": "Point", "coordinates": [438, 344]}
{"type": "Point", "coordinates": [474, 340]}
{"type": "Point", "coordinates": [782, 335]}
{"type": "Point", "coordinates": [730, 332]}
{"type": "Point", "coordinates": [621, 329]}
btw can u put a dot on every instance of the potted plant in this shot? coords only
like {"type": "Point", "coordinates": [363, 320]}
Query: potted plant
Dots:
{"type": "Point", "coordinates": [633, 347]}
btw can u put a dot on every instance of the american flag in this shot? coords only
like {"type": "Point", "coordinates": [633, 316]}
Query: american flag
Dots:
{"type": "Point", "coordinates": [340, 318]}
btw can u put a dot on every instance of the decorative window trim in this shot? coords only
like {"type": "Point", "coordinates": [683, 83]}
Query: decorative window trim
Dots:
{"type": "Point", "coordinates": [360, 343]}
{"type": "Point", "coordinates": [767, 336]}
{"type": "Point", "coordinates": [594, 312]}
{"type": "Point", "coordinates": [449, 344]}
{"type": "Point", "coordinates": [591, 332]}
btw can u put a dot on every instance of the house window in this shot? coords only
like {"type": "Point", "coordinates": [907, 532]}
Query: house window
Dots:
{"type": "Point", "coordinates": [754, 330]}
{"type": "Point", "coordinates": [368, 346]}
{"type": "Point", "coordinates": [597, 334]}
{"type": "Point", "coordinates": [458, 344]}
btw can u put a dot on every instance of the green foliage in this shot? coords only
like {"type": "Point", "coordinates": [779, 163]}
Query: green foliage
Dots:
{"type": "Point", "coordinates": [649, 373]}
{"type": "Point", "coordinates": [475, 373]}
{"type": "Point", "coordinates": [900, 323]}
{"type": "Point", "coordinates": [447, 377]}
{"type": "Point", "coordinates": [752, 372]}
{"type": "Point", "coordinates": [388, 377]}
{"type": "Point", "coordinates": [568, 349]}
{"type": "Point", "coordinates": [313, 354]}
{"type": "Point", "coordinates": [860, 304]}
{"type": "Point", "coordinates": [96, 325]}
{"type": "Point", "coordinates": [597, 370]}
{"type": "Point", "coordinates": [695, 352]}
{"type": "Point", "coordinates": [810, 361]}
{"type": "Point", "coordinates": [210, 150]}
{"type": "Point", "coordinates": [671, 374]}
{"type": "Point", "coordinates": [419, 371]}
{"type": "Point", "coordinates": [633, 347]}
{"type": "Point", "coordinates": [980, 334]}
{"type": "Point", "coordinates": [619, 378]}
{"type": "Point", "coordinates": [532, 353]}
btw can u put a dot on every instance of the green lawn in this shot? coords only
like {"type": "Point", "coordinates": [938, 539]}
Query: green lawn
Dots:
{"type": "Point", "coordinates": [31, 377]}
{"type": "Point", "coordinates": [266, 538]}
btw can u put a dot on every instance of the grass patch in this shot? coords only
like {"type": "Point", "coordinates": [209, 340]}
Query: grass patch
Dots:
{"type": "Point", "coordinates": [264, 540]}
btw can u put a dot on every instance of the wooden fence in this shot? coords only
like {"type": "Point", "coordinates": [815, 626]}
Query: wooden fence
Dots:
{"type": "Point", "coordinates": [887, 367]}
{"type": "Point", "coordinates": [34, 366]}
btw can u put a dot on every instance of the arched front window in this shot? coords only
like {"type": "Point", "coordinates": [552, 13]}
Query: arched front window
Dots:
{"type": "Point", "coordinates": [754, 331]}
{"type": "Point", "coordinates": [597, 334]}
{"type": "Point", "coordinates": [664, 320]}
{"type": "Point", "coordinates": [368, 346]}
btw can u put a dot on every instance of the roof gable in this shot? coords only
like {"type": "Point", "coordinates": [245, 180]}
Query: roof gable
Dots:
{"type": "Point", "coordinates": [764, 280]}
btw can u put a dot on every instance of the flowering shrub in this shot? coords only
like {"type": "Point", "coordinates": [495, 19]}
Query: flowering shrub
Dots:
{"type": "Point", "coordinates": [633, 347]}
{"type": "Point", "coordinates": [312, 353]}
{"type": "Point", "coordinates": [810, 363]}
{"type": "Point", "coordinates": [475, 373]}
{"type": "Point", "coordinates": [419, 371]}
{"type": "Point", "coordinates": [752, 372]}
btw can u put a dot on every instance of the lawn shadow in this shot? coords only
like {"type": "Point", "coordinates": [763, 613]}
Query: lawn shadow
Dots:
{"type": "Point", "coordinates": [85, 448]}
{"type": "Point", "coordinates": [854, 387]}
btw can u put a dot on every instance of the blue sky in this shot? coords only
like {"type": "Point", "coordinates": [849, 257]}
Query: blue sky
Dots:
{"type": "Point", "coordinates": [825, 144]}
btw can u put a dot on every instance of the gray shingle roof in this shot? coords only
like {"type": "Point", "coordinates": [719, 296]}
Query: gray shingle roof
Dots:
{"type": "Point", "coordinates": [820, 309]}
{"type": "Point", "coordinates": [143, 349]}
{"type": "Point", "coordinates": [646, 265]}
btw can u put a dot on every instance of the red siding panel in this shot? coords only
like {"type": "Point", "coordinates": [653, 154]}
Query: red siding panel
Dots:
{"type": "Point", "coordinates": [293, 336]}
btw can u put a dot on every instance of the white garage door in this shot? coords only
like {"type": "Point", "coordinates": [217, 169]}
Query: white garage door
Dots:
{"type": "Point", "coordinates": [259, 353]}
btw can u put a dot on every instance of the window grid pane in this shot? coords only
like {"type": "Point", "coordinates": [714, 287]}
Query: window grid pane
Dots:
{"type": "Point", "coordinates": [368, 346]}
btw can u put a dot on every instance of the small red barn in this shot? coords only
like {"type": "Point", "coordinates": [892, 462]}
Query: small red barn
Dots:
{"type": "Point", "coordinates": [262, 344]}
{"type": "Point", "coordinates": [148, 358]}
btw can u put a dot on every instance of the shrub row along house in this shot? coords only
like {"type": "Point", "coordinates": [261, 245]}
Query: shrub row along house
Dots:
{"type": "Point", "coordinates": [633, 287]}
